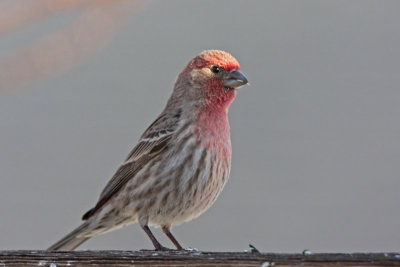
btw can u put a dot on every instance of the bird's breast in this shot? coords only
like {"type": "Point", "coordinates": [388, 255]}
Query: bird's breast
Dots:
{"type": "Point", "coordinates": [213, 131]}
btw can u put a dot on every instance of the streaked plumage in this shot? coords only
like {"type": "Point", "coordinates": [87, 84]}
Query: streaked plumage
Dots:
{"type": "Point", "coordinates": [181, 162]}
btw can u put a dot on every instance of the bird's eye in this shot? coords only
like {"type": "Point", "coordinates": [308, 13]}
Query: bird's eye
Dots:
{"type": "Point", "coordinates": [215, 69]}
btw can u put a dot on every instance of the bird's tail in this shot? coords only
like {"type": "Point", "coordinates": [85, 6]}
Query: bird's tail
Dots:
{"type": "Point", "coordinates": [73, 239]}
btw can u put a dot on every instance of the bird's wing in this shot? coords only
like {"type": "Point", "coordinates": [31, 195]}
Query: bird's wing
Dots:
{"type": "Point", "coordinates": [154, 140]}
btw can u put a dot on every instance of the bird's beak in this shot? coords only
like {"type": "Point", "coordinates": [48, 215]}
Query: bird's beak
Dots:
{"type": "Point", "coordinates": [234, 79]}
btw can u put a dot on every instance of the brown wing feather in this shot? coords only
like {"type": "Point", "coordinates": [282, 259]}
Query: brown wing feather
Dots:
{"type": "Point", "coordinates": [153, 141]}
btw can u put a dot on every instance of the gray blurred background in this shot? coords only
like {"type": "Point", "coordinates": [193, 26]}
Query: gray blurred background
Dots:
{"type": "Point", "coordinates": [316, 151]}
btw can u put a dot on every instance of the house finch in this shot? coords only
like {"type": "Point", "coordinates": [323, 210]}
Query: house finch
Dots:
{"type": "Point", "coordinates": [181, 162]}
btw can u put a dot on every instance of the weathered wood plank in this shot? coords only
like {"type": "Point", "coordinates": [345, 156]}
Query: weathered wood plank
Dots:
{"type": "Point", "coordinates": [19, 258]}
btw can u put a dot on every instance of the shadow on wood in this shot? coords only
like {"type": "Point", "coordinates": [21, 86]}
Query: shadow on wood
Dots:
{"type": "Point", "coordinates": [190, 258]}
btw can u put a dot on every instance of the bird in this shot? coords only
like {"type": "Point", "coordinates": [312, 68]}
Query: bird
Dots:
{"type": "Point", "coordinates": [181, 162]}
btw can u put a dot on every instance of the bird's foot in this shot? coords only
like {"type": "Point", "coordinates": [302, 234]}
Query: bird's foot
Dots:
{"type": "Point", "coordinates": [189, 249]}
{"type": "Point", "coordinates": [253, 249]}
{"type": "Point", "coordinates": [162, 248]}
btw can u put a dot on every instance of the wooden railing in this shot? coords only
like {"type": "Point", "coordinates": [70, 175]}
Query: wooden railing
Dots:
{"type": "Point", "coordinates": [16, 258]}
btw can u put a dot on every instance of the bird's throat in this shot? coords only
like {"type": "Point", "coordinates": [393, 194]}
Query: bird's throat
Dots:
{"type": "Point", "coordinates": [218, 97]}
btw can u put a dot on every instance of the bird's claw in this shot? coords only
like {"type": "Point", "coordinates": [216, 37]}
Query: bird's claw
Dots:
{"type": "Point", "coordinates": [162, 248]}
{"type": "Point", "coordinates": [253, 249]}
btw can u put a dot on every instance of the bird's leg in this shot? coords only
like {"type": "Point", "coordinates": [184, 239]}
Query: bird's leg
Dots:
{"type": "Point", "coordinates": [171, 237]}
{"type": "Point", "coordinates": [153, 239]}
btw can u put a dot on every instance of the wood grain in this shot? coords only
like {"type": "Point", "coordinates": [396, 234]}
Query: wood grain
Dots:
{"type": "Point", "coordinates": [190, 258]}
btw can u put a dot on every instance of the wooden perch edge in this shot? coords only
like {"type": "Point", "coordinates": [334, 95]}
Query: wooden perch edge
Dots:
{"type": "Point", "coordinates": [190, 258]}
